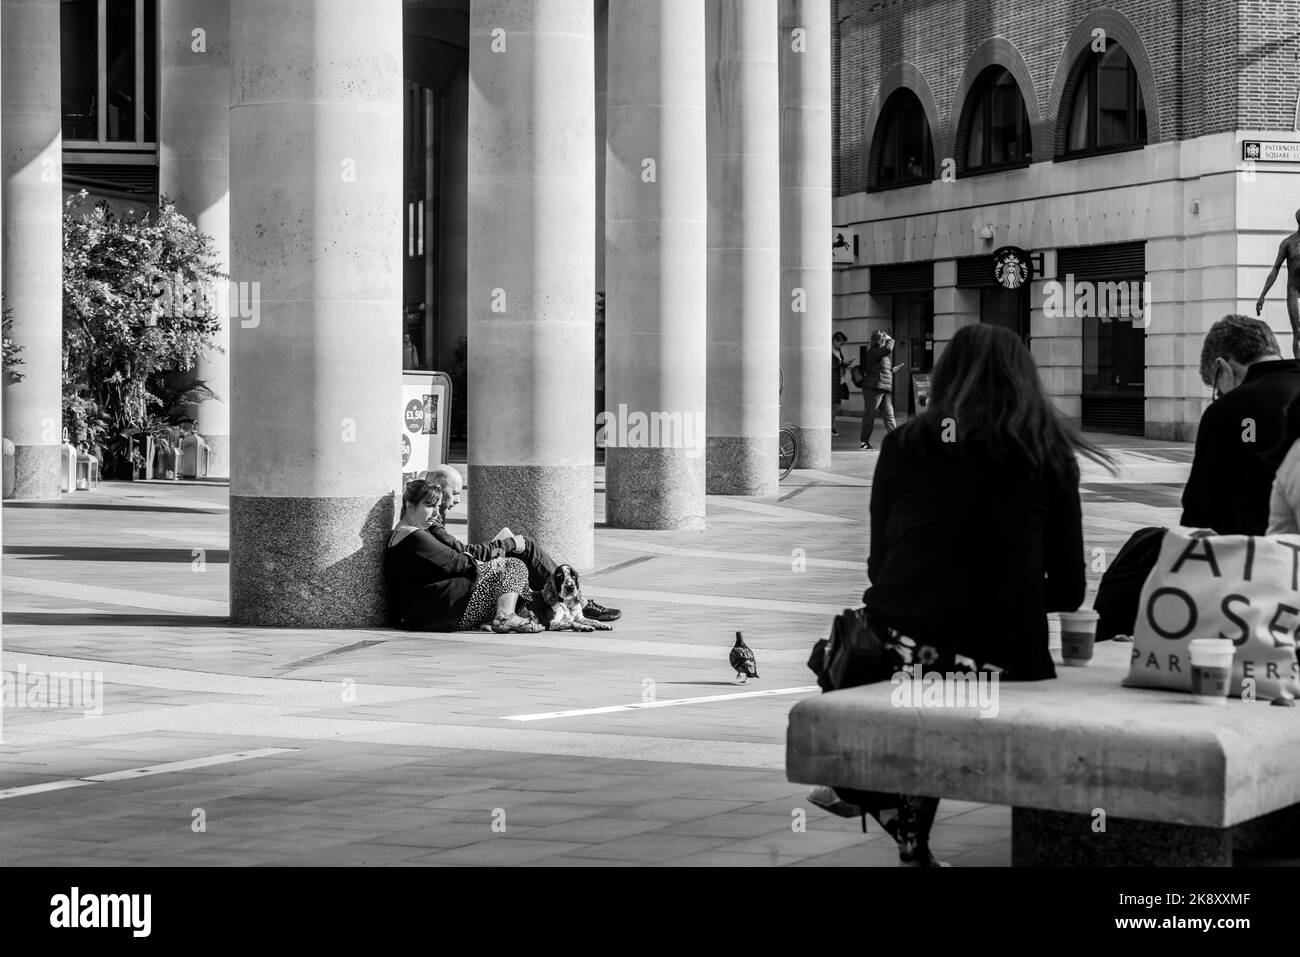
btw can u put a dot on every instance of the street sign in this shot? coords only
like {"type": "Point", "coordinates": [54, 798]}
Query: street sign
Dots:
{"type": "Point", "coordinates": [1270, 151]}
{"type": "Point", "coordinates": [844, 246]}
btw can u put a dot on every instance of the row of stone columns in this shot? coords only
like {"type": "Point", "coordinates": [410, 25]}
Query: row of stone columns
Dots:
{"type": "Point", "coordinates": [718, 168]}
{"type": "Point", "coordinates": [719, 133]}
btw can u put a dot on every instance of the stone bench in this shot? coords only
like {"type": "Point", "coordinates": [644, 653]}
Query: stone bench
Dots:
{"type": "Point", "coordinates": [1171, 777]}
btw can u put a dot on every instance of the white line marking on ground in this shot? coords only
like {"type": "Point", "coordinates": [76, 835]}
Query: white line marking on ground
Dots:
{"type": "Point", "coordinates": [187, 765]}
{"type": "Point", "coordinates": [42, 788]}
{"type": "Point", "coordinates": [670, 703]}
{"type": "Point", "coordinates": [722, 601]}
{"type": "Point", "coordinates": [132, 773]}
{"type": "Point", "coordinates": [214, 720]}
{"type": "Point", "coordinates": [660, 549]}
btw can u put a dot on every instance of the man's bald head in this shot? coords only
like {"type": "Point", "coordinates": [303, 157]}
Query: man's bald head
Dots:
{"type": "Point", "coordinates": [446, 478]}
{"type": "Point", "coordinates": [1297, 217]}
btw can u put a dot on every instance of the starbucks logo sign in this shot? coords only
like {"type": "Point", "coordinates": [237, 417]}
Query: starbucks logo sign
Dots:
{"type": "Point", "coordinates": [1012, 267]}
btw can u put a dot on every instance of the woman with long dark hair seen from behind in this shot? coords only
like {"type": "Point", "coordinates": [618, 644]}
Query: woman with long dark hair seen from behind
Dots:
{"type": "Point", "coordinates": [976, 534]}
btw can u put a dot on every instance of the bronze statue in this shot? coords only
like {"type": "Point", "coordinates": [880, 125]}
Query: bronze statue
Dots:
{"type": "Point", "coordinates": [1287, 252]}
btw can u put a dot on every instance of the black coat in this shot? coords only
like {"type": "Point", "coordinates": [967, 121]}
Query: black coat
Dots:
{"type": "Point", "coordinates": [1231, 478]}
{"type": "Point", "coordinates": [429, 582]}
{"type": "Point", "coordinates": [969, 555]}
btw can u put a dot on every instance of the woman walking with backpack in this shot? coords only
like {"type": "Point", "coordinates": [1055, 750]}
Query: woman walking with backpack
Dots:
{"type": "Point", "coordinates": [878, 386]}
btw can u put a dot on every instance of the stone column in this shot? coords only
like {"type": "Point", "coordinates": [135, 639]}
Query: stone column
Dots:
{"type": "Point", "coordinates": [33, 239]}
{"type": "Point", "coordinates": [744, 259]}
{"type": "Point", "coordinates": [194, 171]}
{"type": "Point", "coordinates": [656, 308]}
{"type": "Point", "coordinates": [532, 272]}
{"type": "Point", "coordinates": [316, 237]}
{"type": "Point", "coordinates": [805, 43]}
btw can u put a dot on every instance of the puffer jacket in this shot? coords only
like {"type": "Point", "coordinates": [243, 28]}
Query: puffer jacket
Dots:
{"type": "Point", "coordinates": [878, 370]}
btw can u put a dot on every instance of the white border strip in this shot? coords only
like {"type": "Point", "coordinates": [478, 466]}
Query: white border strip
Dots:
{"type": "Point", "coordinates": [641, 705]}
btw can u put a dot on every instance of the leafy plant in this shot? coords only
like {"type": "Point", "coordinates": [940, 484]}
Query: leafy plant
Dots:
{"type": "Point", "coordinates": [12, 351]}
{"type": "Point", "coordinates": [139, 306]}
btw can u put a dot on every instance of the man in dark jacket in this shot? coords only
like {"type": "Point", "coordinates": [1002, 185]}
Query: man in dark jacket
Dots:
{"type": "Point", "coordinates": [507, 544]}
{"type": "Point", "coordinates": [1228, 489]}
{"type": "Point", "coordinates": [878, 386]}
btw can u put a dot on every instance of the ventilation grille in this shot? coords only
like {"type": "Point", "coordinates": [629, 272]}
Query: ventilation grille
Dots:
{"type": "Point", "coordinates": [1111, 262]}
{"type": "Point", "coordinates": [903, 277]}
{"type": "Point", "coordinates": [1120, 415]}
{"type": "Point", "coordinates": [132, 179]}
{"type": "Point", "coordinates": [976, 271]}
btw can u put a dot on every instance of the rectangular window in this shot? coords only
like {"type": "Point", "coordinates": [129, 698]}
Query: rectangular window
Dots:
{"type": "Point", "coordinates": [79, 49]}
{"type": "Point", "coordinates": [109, 68]}
{"type": "Point", "coordinates": [149, 80]}
{"type": "Point", "coordinates": [119, 55]}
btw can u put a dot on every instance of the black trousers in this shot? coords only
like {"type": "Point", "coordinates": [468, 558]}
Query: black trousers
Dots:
{"type": "Point", "coordinates": [540, 565]}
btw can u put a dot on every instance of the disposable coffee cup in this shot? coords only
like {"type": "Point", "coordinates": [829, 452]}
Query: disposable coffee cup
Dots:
{"type": "Point", "coordinates": [1211, 660]}
{"type": "Point", "coordinates": [1078, 633]}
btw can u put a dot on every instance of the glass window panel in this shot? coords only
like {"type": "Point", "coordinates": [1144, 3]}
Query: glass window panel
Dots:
{"type": "Point", "coordinates": [1141, 113]}
{"type": "Point", "coordinates": [151, 71]}
{"type": "Point", "coordinates": [889, 151]}
{"type": "Point", "coordinates": [905, 150]}
{"type": "Point", "coordinates": [1079, 113]}
{"type": "Point", "coordinates": [120, 63]}
{"type": "Point", "coordinates": [79, 49]}
{"type": "Point", "coordinates": [1112, 98]}
{"type": "Point", "coordinates": [1004, 120]}
{"type": "Point", "coordinates": [975, 142]}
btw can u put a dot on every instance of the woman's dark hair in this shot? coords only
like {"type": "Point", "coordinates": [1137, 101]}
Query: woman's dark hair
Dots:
{"type": "Point", "coordinates": [839, 337]}
{"type": "Point", "coordinates": [986, 392]}
{"type": "Point", "coordinates": [420, 492]}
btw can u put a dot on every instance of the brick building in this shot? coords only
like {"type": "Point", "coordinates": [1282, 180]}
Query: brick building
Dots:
{"type": "Point", "coordinates": [1106, 141]}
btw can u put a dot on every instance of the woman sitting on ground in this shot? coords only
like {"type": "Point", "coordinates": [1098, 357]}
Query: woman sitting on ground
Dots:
{"type": "Point", "coordinates": [436, 588]}
{"type": "Point", "coordinates": [976, 534]}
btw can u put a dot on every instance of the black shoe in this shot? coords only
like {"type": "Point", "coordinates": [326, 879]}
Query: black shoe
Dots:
{"type": "Point", "coordinates": [600, 613]}
{"type": "Point", "coordinates": [865, 446]}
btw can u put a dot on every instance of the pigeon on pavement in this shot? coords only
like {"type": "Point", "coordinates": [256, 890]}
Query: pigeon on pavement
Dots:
{"type": "Point", "coordinates": [742, 659]}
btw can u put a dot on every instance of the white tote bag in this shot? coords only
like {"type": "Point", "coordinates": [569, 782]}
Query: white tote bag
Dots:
{"type": "Point", "coordinates": [1242, 587]}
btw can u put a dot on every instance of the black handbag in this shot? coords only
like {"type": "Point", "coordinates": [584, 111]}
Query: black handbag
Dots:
{"type": "Point", "coordinates": [853, 655]}
{"type": "Point", "coordinates": [1120, 589]}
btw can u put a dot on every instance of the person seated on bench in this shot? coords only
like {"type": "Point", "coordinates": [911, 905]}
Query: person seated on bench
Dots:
{"type": "Point", "coordinates": [976, 534]}
{"type": "Point", "coordinates": [437, 588]}
{"type": "Point", "coordinates": [540, 565]}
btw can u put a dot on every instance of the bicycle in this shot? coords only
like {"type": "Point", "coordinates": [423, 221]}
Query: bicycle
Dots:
{"type": "Point", "coordinates": [787, 441]}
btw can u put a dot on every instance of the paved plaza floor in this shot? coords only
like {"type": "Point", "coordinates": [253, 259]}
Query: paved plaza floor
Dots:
{"type": "Point", "coordinates": [230, 745]}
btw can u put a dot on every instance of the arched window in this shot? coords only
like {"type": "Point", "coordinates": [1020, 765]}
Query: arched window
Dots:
{"type": "Point", "coordinates": [906, 154]}
{"type": "Point", "coordinates": [998, 132]}
{"type": "Point", "coordinates": [1106, 110]}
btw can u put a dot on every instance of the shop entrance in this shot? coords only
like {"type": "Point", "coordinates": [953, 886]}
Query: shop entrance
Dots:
{"type": "Point", "coordinates": [913, 314]}
{"type": "Point", "coordinates": [1008, 308]}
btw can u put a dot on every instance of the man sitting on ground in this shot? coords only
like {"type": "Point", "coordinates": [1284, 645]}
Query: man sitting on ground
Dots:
{"type": "Point", "coordinates": [1230, 483]}
{"type": "Point", "coordinates": [507, 544]}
